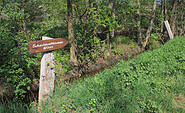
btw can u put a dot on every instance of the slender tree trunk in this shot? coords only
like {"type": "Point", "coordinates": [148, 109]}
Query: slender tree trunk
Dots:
{"type": "Point", "coordinates": [182, 26]}
{"type": "Point", "coordinates": [165, 16]}
{"type": "Point", "coordinates": [162, 14]}
{"type": "Point", "coordinates": [108, 43]}
{"type": "Point", "coordinates": [173, 16]}
{"type": "Point", "coordinates": [181, 14]}
{"type": "Point", "coordinates": [110, 34]}
{"type": "Point", "coordinates": [151, 25]}
{"type": "Point", "coordinates": [73, 56]}
{"type": "Point", "coordinates": [112, 5]}
{"type": "Point", "coordinates": [165, 10]}
{"type": "Point", "coordinates": [139, 35]}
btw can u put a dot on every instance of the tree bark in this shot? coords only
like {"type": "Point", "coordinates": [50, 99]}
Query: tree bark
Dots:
{"type": "Point", "coordinates": [165, 10]}
{"type": "Point", "coordinates": [151, 25]}
{"type": "Point", "coordinates": [181, 15]}
{"type": "Point", "coordinates": [139, 35]}
{"type": "Point", "coordinates": [112, 5]}
{"type": "Point", "coordinates": [182, 27]}
{"type": "Point", "coordinates": [110, 34]}
{"type": "Point", "coordinates": [73, 56]}
{"type": "Point", "coordinates": [173, 16]}
{"type": "Point", "coordinates": [162, 14]}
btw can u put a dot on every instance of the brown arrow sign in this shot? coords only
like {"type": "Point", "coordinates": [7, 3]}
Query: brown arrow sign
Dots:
{"type": "Point", "coordinates": [46, 45]}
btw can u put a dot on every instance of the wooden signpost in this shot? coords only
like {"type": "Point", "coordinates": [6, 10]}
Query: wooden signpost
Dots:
{"type": "Point", "coordinates": [47, 72]}
{"type": "Point", "coordinates": [168, 29]}
{"type": "Point", "coordinates": [46, 44]}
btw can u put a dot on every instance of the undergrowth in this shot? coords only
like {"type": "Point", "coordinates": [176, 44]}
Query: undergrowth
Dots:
{"type": "Point", "coordinates": [147, 83]}
{"type": "Point", "coordinates": [151, 82]}
{"type": "Point", "coordinates": [124, 46]}
{"type": "Point", "coordinates": [7, 106]}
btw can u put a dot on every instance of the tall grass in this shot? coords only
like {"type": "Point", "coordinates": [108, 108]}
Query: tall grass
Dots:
{"type": "Point", "coordinates": [151, 82]}
{"type": "Point", "coordinates": [13, 107]}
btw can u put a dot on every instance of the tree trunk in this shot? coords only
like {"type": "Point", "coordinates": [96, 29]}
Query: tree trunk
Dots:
{"type": "Point", "coordinates": [139, 35]}
{"type": "Point", "coordinates": [182, 26]}
{"type": "Point", "coordinates": [165, 10]}
{"type": "Point", "coordinates": [173, 16]}
{"type": "Point", "coordinates": [181, 15]}
{"type": "Point", "coordinates": [151, 25]}
{"type": "Point", "coordinates": [108, 50]}
{"type": "Point", "coordinates": [110, 34]}
{"type": "Point", "coordinates": [162, 14]}
{"type": "Point", "coordinates": [73, 56]}
{"type": "Point", "coordinates": [111, 5]}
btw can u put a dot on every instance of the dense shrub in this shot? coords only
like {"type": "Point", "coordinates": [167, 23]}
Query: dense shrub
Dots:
{"type": "Point", "coordinates": [18, 26]}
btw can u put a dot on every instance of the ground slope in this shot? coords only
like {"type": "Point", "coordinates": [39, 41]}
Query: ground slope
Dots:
{"type": "Point", "coordinates": [151, 82]}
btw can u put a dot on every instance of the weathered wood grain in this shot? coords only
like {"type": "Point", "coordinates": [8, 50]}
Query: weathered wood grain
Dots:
{"type": "Point", "coordinates": [47, 74]}
{"type": "Point", "coordinates": [169, 29]}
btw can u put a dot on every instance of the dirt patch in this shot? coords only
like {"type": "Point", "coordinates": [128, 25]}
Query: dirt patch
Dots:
{"type": "Point", "coordinates": [179, 101]}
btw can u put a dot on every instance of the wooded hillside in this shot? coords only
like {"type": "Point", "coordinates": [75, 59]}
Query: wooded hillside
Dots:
{"type": "Point", "coordinates": [94, 28]}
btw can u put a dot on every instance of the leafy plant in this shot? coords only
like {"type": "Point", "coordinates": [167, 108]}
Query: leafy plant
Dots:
{"type": "Point", "coordinates": [62, 64]}
{"type": "Point", "coordinates": [17, 67]}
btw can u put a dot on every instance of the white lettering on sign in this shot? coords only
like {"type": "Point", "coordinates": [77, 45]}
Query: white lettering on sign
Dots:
{"type": "Point", "coordinates": [49, 47]}
{"type": "Point", "coordinates": [47, 44]}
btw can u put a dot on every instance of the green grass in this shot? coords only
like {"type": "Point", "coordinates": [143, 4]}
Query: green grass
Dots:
{"type": "Point", "coordinates": [14, 107]}
{"type": "Point", "coordinates": [151, 82]}
{"type": "Point", "coordinates": [148, 83]}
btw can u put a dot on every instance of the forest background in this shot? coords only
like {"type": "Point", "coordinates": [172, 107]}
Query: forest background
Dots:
{"type": "Point", "coordinates": [94, 28]}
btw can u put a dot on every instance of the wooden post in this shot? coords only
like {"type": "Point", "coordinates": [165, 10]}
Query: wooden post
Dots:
{"type": "Point", "coordinates": [168, 29]}
{"type": "Point", "coordinates": [47, 74]}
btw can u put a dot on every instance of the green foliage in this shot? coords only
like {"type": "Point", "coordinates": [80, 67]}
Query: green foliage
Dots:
{"type": "Point", "coordinates": [56, 11]}
{"type": "Point", "coordinates": [154, 40]}
{"type": "Point", "coordinates": [28, 20]}
{"type": "Point", "coordinates": [122, 45]}
{"type": "Point", "coordinates": [147, 83]}
{"type": "Point", "coordinates": [21, 22]}
{"type": "Point", "coordinates": [14, 107]}
{"type": "Point", "coordinates": [17, 67]}
{"type": "Point", "coordinates": [62, 65]}
{"type": "Point", "coordinates": [95, 20]}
